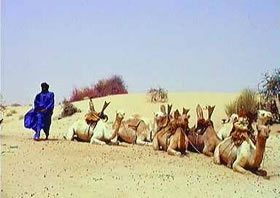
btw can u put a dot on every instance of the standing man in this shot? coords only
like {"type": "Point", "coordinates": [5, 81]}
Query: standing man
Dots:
{"type": "Point", "coordinates": [40, 117]}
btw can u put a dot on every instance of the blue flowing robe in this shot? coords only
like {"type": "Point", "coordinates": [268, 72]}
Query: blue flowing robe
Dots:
{"type": "Point", "coordinates": [36, 120]}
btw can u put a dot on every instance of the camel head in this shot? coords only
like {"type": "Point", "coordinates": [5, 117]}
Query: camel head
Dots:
{"type": "Point", "coordinates": [180, 120]}
{"type": "Point", "coordinates": [162, 117]}
{"type": "Point", "coordinates": [263, 131]}
{"type": "Point", "coordinates": [120, 114]}
{"type": "Point", "coordinates": [233, 118]}
{"type": "Point", "coordinates": [264, 116]}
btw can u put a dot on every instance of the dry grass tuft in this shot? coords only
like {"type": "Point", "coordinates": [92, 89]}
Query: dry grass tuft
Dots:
{"type": "Point", "coordinates": [247, 99]}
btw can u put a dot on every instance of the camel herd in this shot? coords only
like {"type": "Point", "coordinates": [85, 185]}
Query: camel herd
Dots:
{"type": "Point", "coordinates": [236, 144]}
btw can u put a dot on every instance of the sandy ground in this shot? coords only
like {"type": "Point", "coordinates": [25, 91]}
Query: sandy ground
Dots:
{"type": "Point", "coordinates": [58, 168]}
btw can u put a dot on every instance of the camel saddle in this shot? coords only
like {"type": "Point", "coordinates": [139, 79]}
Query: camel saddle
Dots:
{"type": "Point", "coordinates": [240, 134]}
{"type": "Point", "coordinates": [201, 126]}
{"type": "Point", "coordinates": [239, 137]}
{"type": "Point", "coordinates": [134, 124]}
{"type": "Point", "coordinates": [92, 117]}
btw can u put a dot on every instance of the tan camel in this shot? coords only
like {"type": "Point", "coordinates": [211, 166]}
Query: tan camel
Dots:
{"type": "Point", "coordinates": [205, 139]}
{"type": "Point", "coordinates": [245, 158]}
{"type": "Point", "coordinates": [95, 130]}
{"type": "Point", "coordinates": [141, 130]}
{"type": "Point", "coordinates": [135, 130]}
{"type": "Point", "coordinates": [172, 138]}
{"type": "Point", "coordinates": [262, 117]}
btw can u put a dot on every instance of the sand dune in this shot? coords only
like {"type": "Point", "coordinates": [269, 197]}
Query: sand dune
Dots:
{"type": "Point", "coordinates": [58, 168]}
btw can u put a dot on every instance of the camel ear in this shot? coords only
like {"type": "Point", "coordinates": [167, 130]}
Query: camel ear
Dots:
{"type": "Point", "coordinates": [163, 109]}
{"type": "Point", "coordinates": [185, 111]}
{"type": "Point", "coordinates": [176, 114]}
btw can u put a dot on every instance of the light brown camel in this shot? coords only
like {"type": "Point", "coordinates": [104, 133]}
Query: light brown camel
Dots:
{"type": "Point", "coordinates": [172, 138]}
{"type": "Point", "coordinates": [203, 139]}
{"type": "Point", "coordinates": [94, 130]}
{"type": "Point", "coordinates": [245, 158]}
{"type": "Point", "coordinates": [135, 130]}
{"type": "Point", "coordinates": [141, 130]}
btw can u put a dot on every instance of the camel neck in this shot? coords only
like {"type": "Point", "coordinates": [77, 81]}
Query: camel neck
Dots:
{"type": "Point", "coordinates": [116, 127]}
{"type": "Point", "coordinates": [116, 122]}
{"type": "Point", "coordinates": [260, 148]}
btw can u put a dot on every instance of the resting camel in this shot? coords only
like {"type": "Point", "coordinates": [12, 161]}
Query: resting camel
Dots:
{"type": "Point", "coordinates": [205, 140]}
{"type": "Point", "coordinates": [95, 130]}
{"type": "Point", "coordinates": [172, 138]}
{"type": "Point", "coordinates": [262, 117]}
{"type": "Point", "coordinates": [141, 130]}
{"type": "Point", "coordinates": [225, 130]}
{"type": "Point", "coordinates": [245, 158]}
{"type": "Point", "coordinates": [135, 130]}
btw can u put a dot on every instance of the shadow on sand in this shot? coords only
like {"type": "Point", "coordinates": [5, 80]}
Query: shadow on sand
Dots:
{"type": "Point", "coordinates": [48, 140]}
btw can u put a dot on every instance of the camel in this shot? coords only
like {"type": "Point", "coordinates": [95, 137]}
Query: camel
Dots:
{"type": "Point", "coordinates": [172, 138]}
{"type": "Point", "coordinates": [141, 130]}
{"type": "Point", "coordinates": [261, 116]}
{"type": "Point", "coordinates": [97, 131]}
{"type": "Point", "coordinates": [225, 130]}
{"type": "Point", "coordinates": [247, 157]}
{"type": "Point", "coordinates": [136, 130]}
{"type": "Point", "coordinates": [205, 140]}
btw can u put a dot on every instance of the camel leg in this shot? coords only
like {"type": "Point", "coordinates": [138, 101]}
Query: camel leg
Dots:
{"type": "Point", "coordinates": [155, 143]}
{"type": "Point", "coordinates": [238, 168]}
{"type": "Point", "coordinates": [172, 146]}
{"type": "Point", "coordinates": [206, 151]}
{"type": "Point", "coordinates": [171, 151]}
{"type": "Point", "coordinates": [217, 159]}
{"type": "Point", "coordinates": [96, 141]}
{"type": "Point", "coordinates": [69, 135]}
{"type": "Point", "coordinates": [115, 141]}
{"type": "Point", "coordinates": [143, 143]}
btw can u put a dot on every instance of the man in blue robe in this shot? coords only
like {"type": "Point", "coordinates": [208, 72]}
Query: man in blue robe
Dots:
{"type": "Point", "coordinates": [40, 117]}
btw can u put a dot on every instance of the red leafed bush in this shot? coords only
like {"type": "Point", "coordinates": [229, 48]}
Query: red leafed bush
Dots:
{"type": "Point", "coordinates": [111, 86]}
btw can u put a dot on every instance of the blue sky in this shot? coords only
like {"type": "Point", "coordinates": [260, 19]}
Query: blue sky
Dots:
{"type": "Point", "coordinates": [180, 45]}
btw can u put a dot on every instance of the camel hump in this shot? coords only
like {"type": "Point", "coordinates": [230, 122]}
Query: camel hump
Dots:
{"type": "Point", "coordinates": [134, 123]}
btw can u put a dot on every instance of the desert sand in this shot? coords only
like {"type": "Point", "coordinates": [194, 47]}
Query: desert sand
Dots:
{"type": "Point", "coordinates": [59, 168]}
